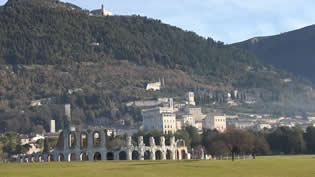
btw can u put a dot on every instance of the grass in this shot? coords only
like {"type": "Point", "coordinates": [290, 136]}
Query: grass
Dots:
{"type": "Point", "coordinates": [276, 166]}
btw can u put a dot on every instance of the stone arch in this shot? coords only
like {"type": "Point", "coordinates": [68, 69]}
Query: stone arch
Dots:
{"type": "Point", "coordinates": [135, 155]}
{"type": "Point", "coordinates": [122, 155]}
{"type": "Point", "coordinates": [71, 140]}
{"type": "Point", "coordinates": [96, 138]}
{"type": "Point", "coordinates": [26, 159]}
{"type": "Point", "coordinates": [158, 155]}
{"type": "Point", "coordinates": [110, 156]}
{"type": "Point", "coordinates": [72, 157]}
{"type": "Point", "coordinates": [169, 154]}
{"type": "Point", "coordinates": [61, 157]}
{"type": "Point", "coordinates": [84, 140]}
{"type": "Point", "coordinates": [184, 155]}
{"type": "Point", "coordinates": [50, 158]}
{"type": "Point", "coordinates": [84, 156]}
{"type": "Point", "coordinates": [147, 155]}
{"type": "Point", "coordinates": [97, 156]}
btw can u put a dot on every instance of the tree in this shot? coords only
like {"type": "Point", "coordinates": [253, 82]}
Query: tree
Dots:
{"type": "Point", "coordinates": [310, 139]}
{"type": "Point", "coordinates": [238, 141]}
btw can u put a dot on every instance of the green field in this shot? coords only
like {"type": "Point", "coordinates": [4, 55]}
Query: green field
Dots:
{"type": "Point", "coordinates": [277, 166]}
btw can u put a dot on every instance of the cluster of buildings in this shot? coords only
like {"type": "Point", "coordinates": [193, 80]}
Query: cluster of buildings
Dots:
{"type": "Point", "coordinates": [170, 116]}
{"type": "Point", "coordinates": [263, 122]}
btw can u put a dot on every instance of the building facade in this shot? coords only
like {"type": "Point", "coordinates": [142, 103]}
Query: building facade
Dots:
{"type": "Point", "coordinates": [213, 122]}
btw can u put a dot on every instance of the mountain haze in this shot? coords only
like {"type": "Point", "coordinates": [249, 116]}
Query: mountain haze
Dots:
{"type": "Point", "coordinates": [292, 51]}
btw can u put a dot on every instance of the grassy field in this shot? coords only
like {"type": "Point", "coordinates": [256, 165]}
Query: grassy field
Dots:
{"type": "Point", "coordinates": [277, 166]}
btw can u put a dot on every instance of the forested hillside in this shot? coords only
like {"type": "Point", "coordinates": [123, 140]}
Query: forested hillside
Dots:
{"type": "Point", "coordinates": [49, 48]}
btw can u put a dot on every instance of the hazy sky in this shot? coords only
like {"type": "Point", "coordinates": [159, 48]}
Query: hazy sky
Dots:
{"type": "Point", "coordinates": [225, 20]}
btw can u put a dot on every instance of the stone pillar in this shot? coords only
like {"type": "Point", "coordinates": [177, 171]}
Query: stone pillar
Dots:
{"type": "Point", "coordinates": [103, 139]}
{"type": "Point", "coordinates": [140, 141]}
{"type": "Point", "coordinates": [172, 141]}
{"type": "Point", "coordinates": [141, 154]}
{"type": "Point", "coordinates": [91, 156]}
{"type": "Point", "coordinates": [90, 140]}
{"type": "Point", "coordinates": [103, 154]}
{"type": "Point", "coordinates": [65, 140]}
{"type": "Point", "coordinates": [152, 142]}
{"type": "Point", "coordinates": [163, 154]}
{"type": "Point", "coordinates": [128, 141]}
{"type": "Point", "coordinates": [173, 155]}
{"type": "Point", "coordinates": [77, 141]}
{"type": "Point", "coordinates": [162, 141]}
{"type": "Point", "coordinates": [129, 154]}
{"type": "Point", "coordinates": [152, 154]}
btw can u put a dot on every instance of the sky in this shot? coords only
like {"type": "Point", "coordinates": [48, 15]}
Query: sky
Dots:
{"type": "Point", "coordinates": [223, 20]}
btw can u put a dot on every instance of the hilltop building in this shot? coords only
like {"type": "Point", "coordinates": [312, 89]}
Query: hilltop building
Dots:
{"type": "Point", "coordinates": [101, 12]}
{"type": "Point", "coordinates": [154, 86]}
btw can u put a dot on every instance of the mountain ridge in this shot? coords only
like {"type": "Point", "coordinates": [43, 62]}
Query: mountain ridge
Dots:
{"type": "Point", "coordinates": [291, 51]}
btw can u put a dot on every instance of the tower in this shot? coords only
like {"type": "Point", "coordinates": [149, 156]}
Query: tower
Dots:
{"type": "Point", "coordinates": [52, 126]}
{"type": "Point", "coordinates": [190, 98]}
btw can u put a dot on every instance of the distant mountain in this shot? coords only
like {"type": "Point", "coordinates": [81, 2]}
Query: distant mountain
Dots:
{"type": "Point", "coordinates": [292, 51]}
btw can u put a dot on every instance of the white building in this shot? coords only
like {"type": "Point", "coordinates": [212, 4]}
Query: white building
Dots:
{"type": "Point", "coordinates": [160, 118]}
{"type": "Point", "coordinates": [154, 86]}
{"type": "Point", "coordinates": [52, 126]}
{"type": "Point", "coordinates": [101, 12]}
{"type": "Point", "coordinates": [186, 120]}
{"type": "Point", "coordinates": [190, 98]}
{"type": "Point", "coordinates": [217, 122]}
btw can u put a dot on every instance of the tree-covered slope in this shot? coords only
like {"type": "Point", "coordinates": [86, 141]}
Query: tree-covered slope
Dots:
{"type": "Point", "coordinates": [33, 32]}
{"type": "Point", "coordinates": [292, 51]}
{"type": "Point", "coordinates": [49, 48]}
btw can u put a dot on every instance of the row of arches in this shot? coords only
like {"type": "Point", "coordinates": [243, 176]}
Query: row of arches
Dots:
{"type": "Point", "coordinates": [84, 139]}
{"type": "Point", "coordinates": [122, 155]}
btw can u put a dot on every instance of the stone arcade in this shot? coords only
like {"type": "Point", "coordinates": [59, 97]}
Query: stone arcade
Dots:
{"type": "Point", "coordinates": [91, 145]}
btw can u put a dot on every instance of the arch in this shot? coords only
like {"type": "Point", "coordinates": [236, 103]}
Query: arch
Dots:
{"type": "Point", "coordinates": [50, 158]}
{"type": "Point", "coordinates": [96, 138]}
{"type": "Point", "coordinates": [61, 157]}
{"type": "Point", "coordinates": [84, 156]}
{"type": "Point", "coordinates": [110, 156]}
{"type": "Point", "coordinates": [158, 155]}
{"type": "Point", "coordinates": [97, 156]}
{"type": "Point", "coordinates": [71, 140]}
{"type": "Point", "coordinates": [122, 155]}
{"type": "Point", "coordinates": [84, 140]}
{"type": "Point", "coordinates": [72, 157]}
{"type": "Point", "coordinates": [40, 158]}
{"type": "Point", "coordinates": [147, 155]}
{"type": "Point", "coordinates": [183, 153]}
{"type": "Point", "coordinates": [168, 154]}
{"type": "Point", "coordinates": [26, 160]}
{"type": "Point", "coordinates": [135, 155]}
